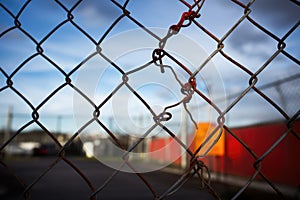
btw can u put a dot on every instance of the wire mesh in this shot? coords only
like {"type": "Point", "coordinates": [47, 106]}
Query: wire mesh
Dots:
{"type": "Point", "coordinates": [189, 19]}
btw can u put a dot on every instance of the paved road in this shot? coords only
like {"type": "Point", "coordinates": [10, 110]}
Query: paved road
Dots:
{"type": "Point", "coordinates": [63, 183]}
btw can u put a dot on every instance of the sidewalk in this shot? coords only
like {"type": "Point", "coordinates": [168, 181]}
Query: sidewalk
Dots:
{"type": "Point", "coordinates": [230, 181]}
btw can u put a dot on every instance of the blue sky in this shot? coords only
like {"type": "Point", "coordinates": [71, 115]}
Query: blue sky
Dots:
{"type": "Point", "coordinates": [67, 47]}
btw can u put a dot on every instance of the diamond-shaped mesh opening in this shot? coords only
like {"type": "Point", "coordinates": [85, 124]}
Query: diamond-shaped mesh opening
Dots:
{"type": "Point", "coordinates": [102, 14]}
{"type": "Point", "coordinates": [38, 21]}
{"type": "Point", "coordinates": [32, 84]}
{"type": "Point", "coordinates": [16, 48]}
{"type": "Point", "coordinates": [68, 47]}
{"type": "Point", "coordinates": [258, 47]}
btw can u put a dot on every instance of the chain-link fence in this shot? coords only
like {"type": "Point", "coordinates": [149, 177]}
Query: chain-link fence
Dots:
{"type": "Point", "coordinates": [46, 46]}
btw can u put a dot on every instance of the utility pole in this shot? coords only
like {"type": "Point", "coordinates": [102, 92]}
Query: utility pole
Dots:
{"type": "Point", "coordinates": [8, 125]}
{"type": "Point", "coordinates": [281, 96]}
{"type": "Point", "coordinates": [58, 124]}
{"type": "Point", "coordinates": [110, 123]}
{"type": "Point", "coordinates": [184, 139]}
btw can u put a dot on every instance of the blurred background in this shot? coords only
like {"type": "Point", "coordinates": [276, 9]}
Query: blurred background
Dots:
{"type": "Point", "coordinates": [44, 44]}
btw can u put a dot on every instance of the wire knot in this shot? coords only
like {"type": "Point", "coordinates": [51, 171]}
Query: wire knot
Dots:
{"type": "Point", "coordinates": [162, 117]}
{"type": "Point", "coordinates": [157, 56]}
{"type": "Point", "coordinates": [188, 89]}
{"type": "Point", "coordinates": [186, 16]}
{"type": "Point", "coordinates": [199, 167]}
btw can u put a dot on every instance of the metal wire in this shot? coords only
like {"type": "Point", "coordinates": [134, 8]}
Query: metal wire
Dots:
{"type": "Point", "coordinates": [191, 18]}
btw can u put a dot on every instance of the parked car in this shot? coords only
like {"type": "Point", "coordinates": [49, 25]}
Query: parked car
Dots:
{"type": "Point", "coordinates": [46, 150]}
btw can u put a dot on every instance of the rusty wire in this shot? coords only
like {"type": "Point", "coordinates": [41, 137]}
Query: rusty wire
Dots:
{"type": "Point", "coordinates": [189, 89]}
